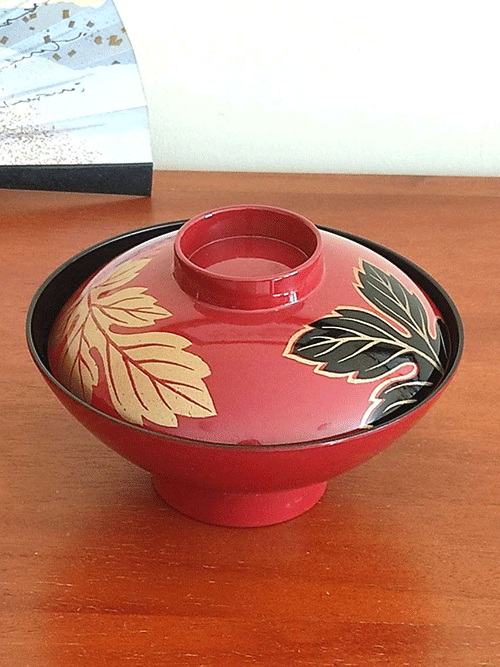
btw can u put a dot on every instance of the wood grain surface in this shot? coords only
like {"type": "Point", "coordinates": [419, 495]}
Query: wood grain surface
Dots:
{"type": "Point", "coordinates": [397, 565]}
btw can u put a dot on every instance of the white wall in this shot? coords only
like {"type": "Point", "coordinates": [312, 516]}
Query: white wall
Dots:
{"type": "Point", "coordinates": [360, 87]}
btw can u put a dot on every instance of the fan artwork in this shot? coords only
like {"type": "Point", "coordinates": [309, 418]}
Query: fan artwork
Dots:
{"type": "Point", "coordinates": [73, 114]}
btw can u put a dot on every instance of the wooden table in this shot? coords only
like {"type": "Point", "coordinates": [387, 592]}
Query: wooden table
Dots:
{"type": "Point", "coordinates": [398, 565]}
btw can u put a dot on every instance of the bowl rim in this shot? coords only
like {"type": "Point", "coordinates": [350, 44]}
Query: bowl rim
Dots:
{"type": "Point", "coordinates": [127, 240]}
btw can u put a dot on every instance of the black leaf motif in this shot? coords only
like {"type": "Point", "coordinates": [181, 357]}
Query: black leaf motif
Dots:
{"type": "Point", "coordinates": [362, 345]}
{"type": "Point", "coordinates": [398, 397]}
{"type": "Point", "coordinates": [354, 341]}
{"type": "Point", "coordinates": [391, 297]}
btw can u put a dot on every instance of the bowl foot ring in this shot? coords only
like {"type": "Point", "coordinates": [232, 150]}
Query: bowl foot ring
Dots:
{"type": "Point", "coordinates": [237, 509]}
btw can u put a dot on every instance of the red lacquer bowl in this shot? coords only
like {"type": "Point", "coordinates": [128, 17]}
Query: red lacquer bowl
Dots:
{"type": "Point", "coordinates": [244, 357]}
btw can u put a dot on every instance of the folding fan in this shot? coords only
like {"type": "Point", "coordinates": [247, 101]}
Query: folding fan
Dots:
{"type": "Point", "coordinates": [73, 114]}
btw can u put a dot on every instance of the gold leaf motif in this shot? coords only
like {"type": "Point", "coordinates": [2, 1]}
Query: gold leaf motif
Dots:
{"type": "Point", "coordinates": [78, 366]}
{"type": "Point", "coordinates": [130, 307]}
{"type": "Point", "coordinates": [70, 318]}
{"type": "Point", "coordinates": [77, 369]}
{"type": "Point", "coordinates": [153, 376]}
{"type": "Point", "coordinates": [149, 375]}
{"type": "Point", "coordinates": [122, 275]}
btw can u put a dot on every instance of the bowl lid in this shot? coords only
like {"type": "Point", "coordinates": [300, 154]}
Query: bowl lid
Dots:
{"type": "Point", "coordinates": [250, 326]}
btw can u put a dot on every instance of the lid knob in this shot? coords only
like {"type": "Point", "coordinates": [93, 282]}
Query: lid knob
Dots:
{"type": "Point", "coordinates": [248, 257]}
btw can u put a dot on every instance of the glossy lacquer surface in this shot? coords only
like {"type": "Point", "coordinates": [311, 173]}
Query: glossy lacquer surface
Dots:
{"type": "Point", "coordinates": [127, 374]}
{"type": "Point", "coordinates": [396, 564]}
{"type": "Point", "coordinates": [185, 334]}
